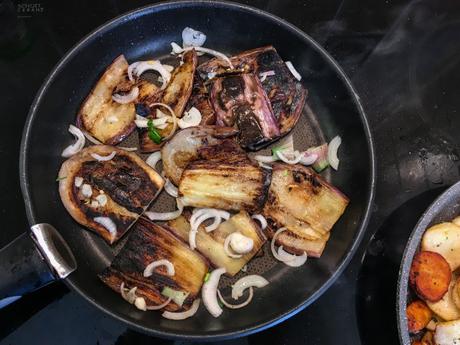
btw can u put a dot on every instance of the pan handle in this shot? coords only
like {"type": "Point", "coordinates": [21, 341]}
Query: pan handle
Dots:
{"type": "Point", "coordinates": [32, 260]}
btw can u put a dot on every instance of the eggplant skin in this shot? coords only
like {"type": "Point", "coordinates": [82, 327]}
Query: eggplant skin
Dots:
{"type": "Point", "coordinates": [228, 181]}
{"type": "Point", "coordinates": [149, 242]}
{"type": "Point", "coordinates": [98, 110]}
{"type": "Point", "coordinates": [211, 244]}
{"type": "Point", "coordinates": [304, 203]}
{"type": "Point", "coordinates": [128, 183]}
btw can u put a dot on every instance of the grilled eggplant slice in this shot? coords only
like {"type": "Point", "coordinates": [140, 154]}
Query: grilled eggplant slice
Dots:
{"type": "Point", "coordinates": [239, 100]}
{"type": "Point", "coordinates": [118, 190]}
{"type": "Point", "coordinates": [306, 205]}
{"type": "Point", "coordinates": [226, 181]}
{"type": "Point", "coordinates": [176, 95]}
{"type": "Point", "coordinates": [105, 119]}
{"type": "Point", "coordinates": [211, 244]}
{"type": "Point", "coordinates": [186, 144]}
{"type": "Point", "coordinates": [150, 242]}
{"type": "Point", "coordinates": [200, 100]}
{"type": "Point", "coordinates": [287, 96]}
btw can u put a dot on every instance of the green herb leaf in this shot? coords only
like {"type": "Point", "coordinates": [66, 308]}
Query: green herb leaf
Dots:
{"type": "Point", "coordinates": [206, 277]}
{"type": "Point", "coordinates": [153, 133]}
{"type": "Point", "coordinates": [177, 296]}
{"type": "Point", "coordinates": [60, 178]}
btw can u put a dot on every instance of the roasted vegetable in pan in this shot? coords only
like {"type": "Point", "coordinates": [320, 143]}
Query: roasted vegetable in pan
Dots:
{"type": "Point", "coordinates": [148, 243]}
{"type": "Point", "coordinates": [430, 275]}
{"type": "Point", "coordinates": [306, 205]}
{"type": "Point", "coordinates": [106, 189]}
{"type": "Point", "coordinates": [211, 244]}
{"type": "Point", "coordinates": [108, 121]}
{"type": "Point", "coordinates": [447, 333]}
{"type": "Point", "coordinates": [227, 181]}
{"type": "Point", "coordinates": [445, 308]}
{"type": "Point", "coordinates": [418, 316]}
{"type": "Point", "coordinates": [444, 238]}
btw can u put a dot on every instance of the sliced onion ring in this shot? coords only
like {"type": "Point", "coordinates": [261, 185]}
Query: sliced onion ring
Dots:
{"type": "Point", "coordinates": [177, 50]}
{"type": "Point", "coordinates": [332, 149]}
{"type": "Point", "coordinates": [227, 249]}
{"type": "Point", "coordinates": [265, 159]}
{"type": "Point", "coordinates": [261, 219]}
{"type": "Point", "coordinates": [183, 315]}
{"type": "Point", "coordinates": [148, 271]}
{"type": "Point", "coordinates": [160, 306]}
{"type": "Point", "coordinates": [289, 259]}
{"type": "Point", "coordinates": [294, 72]}
{"type": "Point", "coordinates": [153, 159]}
{"type": "Point", "coordinates": [130, 296]}
{"type": "Point", "coordinates": [103, 158]}
{"type": "Point", "coordinates": [171, 189]}
{"type": "Point", "coordinates": [297, 157]}
{"type": "Point", "coordinates": [308, 158]}
{"type": "Point", "coordinates": [163, 216]}
{"type": "Point", "coordinates": [78, 145]}
{"type": "Point", "coordinates": [108, 224]}
{"type": "Point", "coordinates": [246, 282]}
{"type": "Point", "coordinates": [91, 138]}
{"type": "Point", "coordinates": [264, 75]}
{"type": "Point", "coordinates": [126, 98]}
{"type": "Point", "coordinates": [209, 292]}
{"type": "Point", "coordinates": [174, 118]}
{"type": "Point", "coordinates": [237, 306]}
{"type": "Point", "coordinates": [139, 67]}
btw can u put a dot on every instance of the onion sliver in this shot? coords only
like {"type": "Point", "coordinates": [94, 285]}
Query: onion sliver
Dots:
{"type": "Point", "coordinates": [209, 292]}
{"type": "Point", "coordinates": [142, 122]}
{"type": "Point", "coordinates": [245, 283]}
{"type": "Point", "coordinates": [294, 72]}
{"type": "Point", "coordinates": [265, 166]}
{"type": "Point", "coordinates": [291, 259]}
{"type": "Point", "coordinates": [129, 149]}
{"type": "Point", "coordinates": [108, 224]}
{"type": "Point", "coordinates": [192, 38]}
{"type": "Point", "coordinates": [148, 271]}
{"type": "Point", "coordinates": [215, 224]}
{"type": "Point", "coordinates": [153, 159]}
{"type": "Point", "coordinates": [183, 315]}
{"type": "Point", "coordinates": [332, 149]}
{"type": "Point", "coordinates": [178, 50]}
{"type": "Point", "coordinates": [308, 158]}
{"type": "Point", "coordinates": [297, 157]}
{"type": "Point", "coordinates": [139, 67]}
{"type": "Point", "coordinates": [200, 217]}
{"type": "Point", "coordinates": [191, 118]}
{"type": "Point", "coordinates": [171, 189]}
{"type": "Point", "coordinates": [91, 138]}
{"type": "Point", "coordinates": [160, 306]}
{"type": "Point", "coordinates": [237, 306]}
{"type": "Point", "coordinates": [78, 145]}
{"type": "Point", "coordinates": [266, 74]}
{"type": "Point", "coordinates": [140, 304]}
{"type": "Point", "coordinates": [127, 98]}
{"type": "Point", "coordinates": [166, 215]}
{"type": "Point", "coordinates": [240, 244]}
{"type": "Point", "coordinates": [261, 219]}
{"type": "Point", "coordinates": [174, 118]}
{"type": "Point", "coordinates": [103, 158]}
{"type": "Point", "coordinates": [130, 296]}
{"type": "Point", "coordinates": [227, 249]}
{"type": "Point", "coordinates": [266, 159]}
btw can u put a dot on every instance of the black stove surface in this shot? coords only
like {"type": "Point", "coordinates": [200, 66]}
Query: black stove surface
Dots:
{"type": "Point", "coordinates": [403, 59]}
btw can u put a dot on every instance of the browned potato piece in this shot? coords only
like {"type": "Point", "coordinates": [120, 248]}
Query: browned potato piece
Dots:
{"type": "Point", "coordinates": [445, 308]}
{"type": "Point", "coordinates": [456, 293]}
{"type": "Point", "coordinates": [418, 316]}
{"type": "Point", "coordinates": [430, 275]}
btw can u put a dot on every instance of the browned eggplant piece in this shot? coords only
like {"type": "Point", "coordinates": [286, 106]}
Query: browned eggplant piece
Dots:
{"type": "Point", "coordinates": [105, 119]}
{"type": "Point", "coordinates": [150, 242]}
{"type": "Point", "coordinates": [239, 100]}
{"type": "Point", "coordinates": [117, 190]}
{"type": "Point", "coordinates": [211, 244]}
{"type": "Point", "coordinates": [228, 181]}
{"type": "Point", "coordinates": [306, 205]}
{"type": "Point", "coordinates": [176, 95]}
{"type": "Point", "coordinates": [287, 96]}
{"type": "Point", "coordinates": [186, 144]}
{"type": "Point", "coordinates": [200, 100]}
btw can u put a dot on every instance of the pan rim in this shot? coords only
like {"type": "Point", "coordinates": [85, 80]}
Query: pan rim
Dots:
{"type": "Point", "coordinates": [411, 248]}
{"type": "Point", "coordinates": [217, 335]}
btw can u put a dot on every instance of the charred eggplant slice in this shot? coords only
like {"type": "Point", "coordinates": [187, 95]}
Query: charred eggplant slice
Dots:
{"type": "Point", "coordinates": [228, 181]}
{"type": "Point", "coordinates": [306, 205]}
{"type": "Point", "coordinates": [287, 96]}
{"type": "Point", "coordinates": [211, 244]}
{"type": "Point", "coordinates": [176, 95]}
{"type": "Point", "coordinates": [107, 196]}
{"type": "Point", "coordinates": [150, 242]}
{"type": "Point", "coordinates": [200, 99]}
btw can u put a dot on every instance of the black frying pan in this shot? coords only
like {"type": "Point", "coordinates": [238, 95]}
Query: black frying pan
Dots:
{"type": "Point", "coordinates": [445, 208]}
{"type": "Point", "coordinates": [231, 28]}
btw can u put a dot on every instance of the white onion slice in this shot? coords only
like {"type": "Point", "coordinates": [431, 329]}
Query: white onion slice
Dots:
{"type": "Point", "coordinates": [192, 239]}
{"type": "Point", "coordinates": [160, 306]}
{"type": "Point", "coordinates": [142, 122]}
{"type": "Point", "coordinates": [130, 296]}
{"type": "Point", "coordinates": [214, 225]}
{"type": "Point", "coordinates": [140, 304]}
{"type": "Point", "coordinates": [91, 138]}
{"type": "Point", "coordinates": [209, 292]}
{"type": "Point", "coordinates": [266, 74]}
{"type": "Point", "coordinates": [171, 189]}
{"type": "Point", "coordinates": [127, 98]}
{"type": "Point", "coordinates": [107, 223]}
{"type": "Point", "coordinates": [297, 157]}
{"type": "Point", "coordinates": [86, 190]}
{"type": "Point", "coordinates": [236, 306]}
{"type": "Point", "coordinates": [265, 166]}
{"type": "Point", "coordinates": [227, 249]}
{"type": "Point", "coordinates": [241, 244]}
{"type": "Point", "coordinates": [153, 159]}
{"type": "Point", "coordinates": [191, 118]}
{"type": "Point", "coordinates": [204, 215]}
{"type": "Point", "coordinates": [192, 38]}
{"type": "Point", "coordinates": [265, 159]}
{"type": "Point", "coordinates": [166, 215]}
{"type": "Point", "coordinates": [308, 158]}
{"type": "Point", "coordinates": [244, 268]}
{"type": "Point", "coordinates": [137, 68]}
{"type": "Point", "coordinates": [78, 181]}
{"type": "Point", "coordinates": [332, 149]}
{"type": "Point", "coordinates": [294, 72]}
{"type": "Point", "coordinates": [291, 259]}
{"type": "Point", "coordinates": [103, 158]}
{"type": "Point", "coordinates": [78, 145]}
{"type": "Point", "coordinates": [148, 271]}
{"type": "Point", "coordinates": [245, 283]}
{"type": "Point", "coordinates": [129, 149]}
{"type": "Point", "coordinates": [174, 118]}
{"type": "Point", "coordinates": [102, 199]}
{"type": "Point", "coordinates": [178, 50]}
{"type": "Point", "coordinates": [183, 315]}
{"type": "Point", "coordinates": [261, 219]}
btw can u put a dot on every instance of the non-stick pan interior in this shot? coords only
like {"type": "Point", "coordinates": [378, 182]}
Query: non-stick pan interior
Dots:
{"type": "Point", "coordinates": [147, 33]}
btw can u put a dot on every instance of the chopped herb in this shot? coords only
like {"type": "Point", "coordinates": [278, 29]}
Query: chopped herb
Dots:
{"type": "Point", "coordinates": [153, 133]}
{"type": "Point", "coordinates": [206, 277]}
{"type": "Point", "coordinates": [60, 178]}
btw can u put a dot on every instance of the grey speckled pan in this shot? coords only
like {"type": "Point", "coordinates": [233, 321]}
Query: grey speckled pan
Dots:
{"type": "Point", "coordinates": [444, 208]}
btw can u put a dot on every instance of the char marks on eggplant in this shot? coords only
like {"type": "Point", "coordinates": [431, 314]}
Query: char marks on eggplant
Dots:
{"type": "Point", "coordinates": [150, 242]}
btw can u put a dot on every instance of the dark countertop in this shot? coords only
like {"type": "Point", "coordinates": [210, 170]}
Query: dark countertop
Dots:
{"type": "Point", "coordinates": [403, 59]}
